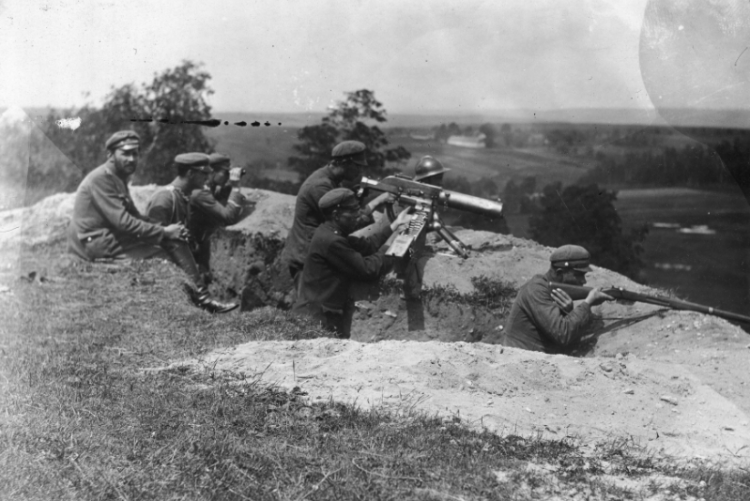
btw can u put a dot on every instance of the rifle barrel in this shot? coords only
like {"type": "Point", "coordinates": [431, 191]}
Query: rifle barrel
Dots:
{"type": "Point", "coordinates": [578, 292]}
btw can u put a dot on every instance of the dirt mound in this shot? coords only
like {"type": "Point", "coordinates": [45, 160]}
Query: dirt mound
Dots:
{"type": "Point", "coordinates": [661, 406]}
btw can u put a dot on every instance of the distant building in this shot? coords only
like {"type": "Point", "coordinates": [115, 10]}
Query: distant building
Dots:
{"type": "Point", "coordinates": [468, 141]}
{"type": "Point", "coordinates": [536, 139]}
{"type": "Point", "coordinates": [422, 137]}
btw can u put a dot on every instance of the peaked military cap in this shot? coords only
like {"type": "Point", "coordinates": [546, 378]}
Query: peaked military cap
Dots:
{"type": "Point", "coordinates": [218, 161]}
{"type": "Point", "coordinates": [353, 151]}
{"type": "Point", "coordinates": [196, 161]}
{"type": "Point", "coordinates": [123, 139]}
{"type": "Point", "coordinates": [571, 257]}
{"type": "Point", "coordinates": [338, 197]}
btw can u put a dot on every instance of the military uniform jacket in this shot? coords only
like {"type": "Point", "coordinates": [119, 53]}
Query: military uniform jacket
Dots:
{"type": "Point", "coordinates": [169, 205]}
{"type": "Point", "coordinates": [307, 215]}
{"type": "Point", "coordinates": [208, 212]}
{"type": "Point", "coordinates": [103, 205]}
{"type": "Point", "coordinates": [536, 322]}
{"type": "Point", "coordinates": [333, 261]}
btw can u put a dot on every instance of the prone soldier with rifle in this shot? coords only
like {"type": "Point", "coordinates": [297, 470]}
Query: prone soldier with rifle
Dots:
{"type": "Point", "coordinates": [543, 318]}
{"type": "Point", "coordinates": [578, 292]}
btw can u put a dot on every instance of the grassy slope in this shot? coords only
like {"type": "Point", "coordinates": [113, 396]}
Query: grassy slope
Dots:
{"type": "Point", "coordinates": [82, 419]}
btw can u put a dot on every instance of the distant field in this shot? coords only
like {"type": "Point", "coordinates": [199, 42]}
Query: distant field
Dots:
{"type": "Point", "coordinates": [273, 146]}
{"type": "Point", "coordinates": [712, 269]}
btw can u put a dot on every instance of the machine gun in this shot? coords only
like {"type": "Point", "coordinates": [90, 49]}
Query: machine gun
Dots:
{"type": "Point", "coordinates": [425, 199]}
{"type": "Point", "coordinates": [578, 292]}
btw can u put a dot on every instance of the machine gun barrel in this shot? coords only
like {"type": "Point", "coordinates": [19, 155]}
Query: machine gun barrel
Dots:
{"type": "Point", "coordinates": [579, 292]}
{"type": "Point", "coordinates": [408, 190]}
{"type": "Point", "coordinates": [476, 205]}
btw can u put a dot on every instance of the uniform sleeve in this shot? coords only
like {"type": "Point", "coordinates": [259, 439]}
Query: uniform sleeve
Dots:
{"type": "Point", "coordinates": [223, 215]}
{"type": "Point", "coordinates": [112, 204]}
{"type": "Point", "coordinates": [344, 258]}
{"type": "Point", "coordinates": [565, 330]}
{"type": "Point", "coordinates": [315, 194]}
{"type": "Point", "coordinates": [160, 207]}
{"type": "Point", "coordinates": [370, 244]}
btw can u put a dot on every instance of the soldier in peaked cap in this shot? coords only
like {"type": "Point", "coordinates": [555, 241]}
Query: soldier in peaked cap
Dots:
{"type": "Point", "coordinates": [171, 205]}
{"type": "Point", "coordinates": [105, 223]}
{"type": "Point", "coordinates": [335, 258]}
{"type": "Point", "coordinates": [217, 204]}
{"type": "Point", "coordinates": [545, 319]}
{"type": "Point", "coordinates": [347, 160]}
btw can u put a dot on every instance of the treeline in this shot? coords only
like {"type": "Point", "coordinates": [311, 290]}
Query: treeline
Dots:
{"type": "Point", "coordinates": [726, 163]}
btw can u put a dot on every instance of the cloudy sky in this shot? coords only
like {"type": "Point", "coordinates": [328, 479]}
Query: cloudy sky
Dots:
{"type": "Point", "coordinates": [294, 55]}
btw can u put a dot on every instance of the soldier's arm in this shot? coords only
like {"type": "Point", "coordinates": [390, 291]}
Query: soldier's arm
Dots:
{"type": "Point", "coordinates": [224, 215]}
{"type": "Point", "coordinates": [546, 315]}
{"type": "Point", "coordinates": [112, 204]}
{"type": "Point", "coordinates": [160, 207]}
{"type": "Point", "coordinates": [370, 244]}
{"type": "Point", "coordinates": [344, 258]}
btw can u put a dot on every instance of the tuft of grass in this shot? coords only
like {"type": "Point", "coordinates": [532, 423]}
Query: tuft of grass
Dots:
{"type": "Point", "coordinates": [82, 420]}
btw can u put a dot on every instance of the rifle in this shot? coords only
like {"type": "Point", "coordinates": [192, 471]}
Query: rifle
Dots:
{"type": "Point", "coordinates": [578, 292]}
{"type": "Point", "coordinates": [425, 199]}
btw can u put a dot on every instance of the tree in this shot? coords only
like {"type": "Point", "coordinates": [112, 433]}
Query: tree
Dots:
{"type": "Point", "coordinates": [348, 120]}
{"type": "Point", "coordinates": [586, 216]}
{"type": "Point", "coordinates": [169, 114]}
{"type": "Point", "coordinates": [490, 135]}
{"type": "Point", "coordinates": [507, 134]}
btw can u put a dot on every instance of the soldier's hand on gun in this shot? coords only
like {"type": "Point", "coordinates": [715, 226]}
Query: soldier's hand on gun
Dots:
{"type": "Point", "coordinates": [596, 296]}
{"type": "Point", "coordinates": [175, 232]}
{"type": "Point", "coordinates": [383, 198]}
{"type": "Point", "coordinates": [403, 219]}
{"type": "Point", "coordinates": [563, 300]}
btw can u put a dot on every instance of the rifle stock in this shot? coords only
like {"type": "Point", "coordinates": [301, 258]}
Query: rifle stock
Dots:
{"type": "Point", "coordinates": [577, 292]}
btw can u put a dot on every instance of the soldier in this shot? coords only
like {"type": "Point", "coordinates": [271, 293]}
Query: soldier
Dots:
{"type": "Point", "coordinates": [347, 159]}
{"type": "Point", "coordinates": [429, 171]}
{"type": "Point", "coordinates": [544, 319]}
{"type": "Point", "coordinates": [335, 259]}
{"type": "Point", "coordinates": [171, 205]}
{"type": "Point", "coordinates": [105, 223]}
{"type": "Point", "coordinates": [215, 205]}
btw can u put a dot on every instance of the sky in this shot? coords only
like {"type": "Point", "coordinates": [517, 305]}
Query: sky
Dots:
{"type": "Point", "coordinates": [435, 56]}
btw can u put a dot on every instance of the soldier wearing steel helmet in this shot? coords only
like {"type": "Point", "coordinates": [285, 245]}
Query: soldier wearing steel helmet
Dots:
{"type": "Point", "coordinates": [336, 258]}
{"type": "Point", "coordinates": [428, 170]}
{"type": "Point", "coordinates": [347, 160]}
{"type": "Point", "coordinates": [543, 318]}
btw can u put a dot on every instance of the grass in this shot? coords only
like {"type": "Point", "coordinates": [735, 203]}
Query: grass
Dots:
{"type": "Point", "coordinates": [83, 418]}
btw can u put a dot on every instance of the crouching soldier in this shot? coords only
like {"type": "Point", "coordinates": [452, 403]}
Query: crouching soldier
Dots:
{"type": "Point", "coordinates": [335, 259]}
{"type": "Point", "coordinates": [545, 319]}
{"type": "Point", "coordinates": [213, 206]}
{"type": "Point", "coordinates": [171, 205]}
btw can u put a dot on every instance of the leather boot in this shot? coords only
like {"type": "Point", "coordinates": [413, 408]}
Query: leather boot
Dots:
{"type": "Point", "coordinates": [212, 306]}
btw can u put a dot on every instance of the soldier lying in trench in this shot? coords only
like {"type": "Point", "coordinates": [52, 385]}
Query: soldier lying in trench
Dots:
{"type": "Point", "coordinates": [543, 318]}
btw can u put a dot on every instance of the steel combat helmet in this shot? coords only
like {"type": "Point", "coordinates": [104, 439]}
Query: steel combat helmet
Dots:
{"type": "Point", "coordinates": [427, 167]}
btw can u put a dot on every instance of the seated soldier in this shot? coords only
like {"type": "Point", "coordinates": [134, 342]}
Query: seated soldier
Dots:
{"type": "Point", "coordinates": [215, 205]}
{"type": "Point", "coordinates": [334, 259]}
{"type": "Point", "coordinates": [105, 223]}
{"type": "Point", "coordinates": [543, 318]}
{"type": "Point", "coordinates": [171, 205]}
